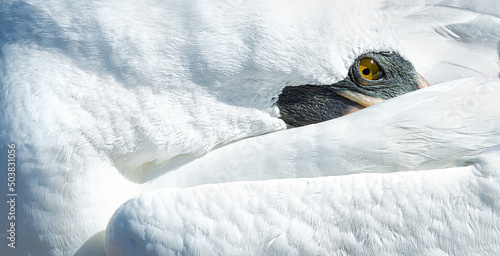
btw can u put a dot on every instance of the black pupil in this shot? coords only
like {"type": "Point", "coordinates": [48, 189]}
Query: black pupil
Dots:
{"type": "Point", "coordinates": [366, 71]}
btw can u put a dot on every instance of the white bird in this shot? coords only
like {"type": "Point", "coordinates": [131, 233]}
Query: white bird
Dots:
{"type": "Point", "coordinates": [104, 101]}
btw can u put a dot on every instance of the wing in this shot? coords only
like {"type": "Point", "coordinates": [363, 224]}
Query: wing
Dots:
{"type": "Point", "coordinates": [453, 210]}
{"type": "Point", "coordinates": [441, 126]}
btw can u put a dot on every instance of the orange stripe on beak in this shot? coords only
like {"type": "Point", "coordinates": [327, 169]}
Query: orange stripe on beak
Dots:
{"type": "Point", "coordinates": [360, 98]}
{"type": "Point", "coordinates": [367, 101]}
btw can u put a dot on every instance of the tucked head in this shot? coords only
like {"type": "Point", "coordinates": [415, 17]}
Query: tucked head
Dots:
{"type": "Point", "coordinates": [372, 78]}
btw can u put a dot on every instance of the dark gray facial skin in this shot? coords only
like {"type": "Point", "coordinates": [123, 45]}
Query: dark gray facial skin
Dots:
{"type": "Point", "coordinates": [309, 104]}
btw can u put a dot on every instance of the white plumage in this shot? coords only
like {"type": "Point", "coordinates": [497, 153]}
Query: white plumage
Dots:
{"type": "Point", "coordinates": [440, 212]}
{"type": "Point", "coordinates": [107, 100]}
{"type": "Point", "coordinates": [452, 209]}
{"type": "Point", "coordinates": [446, 125]}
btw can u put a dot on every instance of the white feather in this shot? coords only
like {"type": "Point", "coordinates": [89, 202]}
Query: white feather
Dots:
{"type": "Point", "coordinates": [105, 100]}
{"type": "Point", "coordinates": [451, 211]}
{"type": "Point", "coordinates": [446, 125]}
{"type": "Point", "coordinates": [448, 39]}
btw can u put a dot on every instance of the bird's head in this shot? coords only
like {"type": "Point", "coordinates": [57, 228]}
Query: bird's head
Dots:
{"type": "Point", "coordinates": [372, 78]}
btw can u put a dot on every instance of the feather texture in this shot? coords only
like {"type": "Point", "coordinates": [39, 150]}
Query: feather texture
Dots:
{"type": "Point", "coordinates": [107, 100]}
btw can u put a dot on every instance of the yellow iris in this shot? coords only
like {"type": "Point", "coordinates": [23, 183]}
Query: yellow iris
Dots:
{"type": "Point", "coordinates": [369, 69]}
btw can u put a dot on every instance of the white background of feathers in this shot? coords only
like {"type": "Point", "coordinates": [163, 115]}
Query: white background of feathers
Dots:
{"type": "Point", "coordinates": [102, 99]}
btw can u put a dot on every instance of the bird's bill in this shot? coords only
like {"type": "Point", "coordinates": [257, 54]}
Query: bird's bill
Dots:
{"type": "Point", "coordinates": [422, 82]}
{"type": "Point", "coordinates": [360, 98]}
{"type": "Point", "coordinates": [367, 101]}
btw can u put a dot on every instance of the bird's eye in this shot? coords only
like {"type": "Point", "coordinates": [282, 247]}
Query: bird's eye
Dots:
{"type": "Point", "coordinates": [369, 69]}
